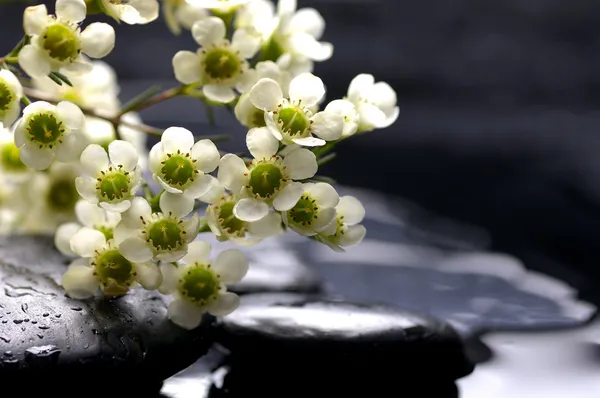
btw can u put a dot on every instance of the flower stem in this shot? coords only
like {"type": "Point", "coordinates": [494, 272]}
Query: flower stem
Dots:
{"type": "Point", "coordinates": [144, 100]}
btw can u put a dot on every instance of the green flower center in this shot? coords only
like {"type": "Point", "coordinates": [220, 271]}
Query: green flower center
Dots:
{"type": "Point", "coordinates": [221, 64]}
{"type": "Point", "coordinates": [199, 285]}
{"type": "Point", "coordinates": [165, 234]}
{"type": "Point", "coordinates": [178, 170]}
{"type": "Point", "coordinates": [62, 195]}
{"type": "Point", "coordinates": [229, 221]}
{"type": "Point", "coordinates": [108, 232]}
{"type": "Point", "coordinates": [292, 120]}
{"type": "Point", "coordinates": [10, 158]}
{"type": "Point", "coordinates": [115, 272]}
{"type": "Point", "coordinates": [265, 179]}
{"type": "Point", "coordinates": [113, 185]}
{"type": "Point", "coordinates": [45, 129]}
{"type": "Point", "coordinates": [6, 96]}
{"type": "Point", "coordinates": [304, 211]}
{"type": "Point", "coordinates": [271, 51]}
{"type": "Point", "coordinates": [60, 42]}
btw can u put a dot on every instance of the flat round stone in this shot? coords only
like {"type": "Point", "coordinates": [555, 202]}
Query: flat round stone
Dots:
{"type": "Point", "coordinates": [291, 329]}
{"type": "Point", "coordinates": [47, 336]}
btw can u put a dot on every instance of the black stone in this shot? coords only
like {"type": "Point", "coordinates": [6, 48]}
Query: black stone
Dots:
{"type": "Point", "coordinates": [54, 340]}
{"type": "Point", "coordinates": [316, 335]}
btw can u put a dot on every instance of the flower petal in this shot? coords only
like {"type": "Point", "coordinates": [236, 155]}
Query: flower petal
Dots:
{"type": "Point", "coordinates": [246, 42]}
{"type": "Point", "coordinates": [135, 250]}
{"type": "Point", "coordinates": [201, 185]}
{"type": "Point", "coordinates": [121, 232]}
{"type": "Point", "coordinates": [352, 236]}
{"type": "Point", "coordinates": [198, 252]}
{"type": "Point", "coordinates": [94, 159]}
{"type": "Point", "coordinates": [209, 31]}
{"type": "Point", "coordinates": [35, 20]}
{"type": "Point", "coordinates": [177, 139]}
{"type": "Point", "coordinates": [301, 164]}
{"type": "Point", "coordinates": [224, 305]}
{"type": "Point", "coordinates": [328, 125]}
{"type": "Point", "coordinates": [19, 133]}
{"type": "Point", "coordinates": [324, 194]}
{"type": "Point", "coordinates": [118, 207]}
{"type": "Point", "coordinates": [231, 265]}
{"type": "Point", "coordinates": [87, 189]}
{"type": "Point", "coordinates": [351, 209]}
{"type": "Point", "coordinates": [36, 158]}
{"type": "Point", "coordinates": [309, 141]}
{"type": "Point", "coordinates": [261, 143]}
{"type": "Point", "coordinates": [232, 172]}
{"type": "Point", "coordinates": [206, 155]}
{"type": "Point", "coordinates": [307, 88]}
{"type": "Point", "coordinates": [222, 94]}
{"type": "Point", "coordinates": [170, 278]}
{"type": "Point", "coordinates": [13, 83]}
{"type": "Point", "coordinates": [79, 281]}
{"type": "Point", "coordinates": [71, 10]}
{"type": "Point", "coordinates": [148, 275]}
{"type": "Point", "coordinates": [214, 193]}
{"type": "Point", "coordinates": [192, 227]}
{"type": "Point", "coordinates": [185, 314]}
{"type": "Point", "coordinates": [288, 196]}
{"type": "Point", "coordinates": [250, 209]}
{"type": "Point", "coordinates": [123, 153]}
{"type": "Point", "coordinates": [266, 94]}
{"type": "Point", "coordinates": [305, 45]}
{"type": "Point", "coordinates": [187, 67]}
{"type": "Point", "coordinates": [272, 125]}
{"type": "Point", "coordinates": [267, 226]}
{"type": "Point", "coordinates": [176, 205]}
{"type": "Point", "coordinates": [325, 219]}
{"type": "Point", "coordinates": [70, 114]}
{"type": "Point", "coordinates": [97, 40]}
{"type": "Point", "coordinates": [155, 157]}
{"type": "Point", "coordinates": [308, 20]}
{"type": "Point", "coordinates": [139, 209]}
{"type": "Point", "coordinates": [71, 147]}
{"type": "Point", "coordinates": [62, 238]}
{"type": "Point", "coordinates": [360, 86]}
{"type": "Point", "coordinates": [370, 116]}
{"type": "Point", "coordinates": [33, 62]}
{"type": "Point", "coordinates": [86, 241]}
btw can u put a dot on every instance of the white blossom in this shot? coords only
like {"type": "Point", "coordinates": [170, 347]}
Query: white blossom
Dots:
{"type": "Point", "coordinates": [103, 265]}
{"type": "Point", "coordinates": [269, 179]}
{"type": "Point", "coordinates": [132, 12]}
{"type": "Point", "coordinates": [57, 42]}
{"type": "Point", "coordinates": [219, 65]}
{"type": "Point", "coordinates": [90, 216]}
{"type": "Point", "coordinates": [161, 235]}
{"type": "Point", "coordinates": [11, 165]}
{"type": "Point", "coordinates": [315, 210]}
{"type": "Point", "coordinates": [346, 230]}
{"type": "Point", "coordinates": [49, 131]}
{"type": "Point", "coordinates": [179, 165]}
{"type": "Point", "coordinates": [199, 285]}
{"type": "Point", "coordinates": [291, 119]}
{"type": "Point", "coordinates": [219, 6]}
{"type": "Point", "coordinates": [182, 13]}
{"type": "Point", "coordinates": [245, 111]}
{"type": "Point", "coordinates": [110, 180]}
{"type": "Point", "coordinates": [11, 93]}
{"type": "Point", "coordinates": [374, 102]}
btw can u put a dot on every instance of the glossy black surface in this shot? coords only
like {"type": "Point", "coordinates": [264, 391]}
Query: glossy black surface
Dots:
{"type": "Point", "coordinates": [46, 336]}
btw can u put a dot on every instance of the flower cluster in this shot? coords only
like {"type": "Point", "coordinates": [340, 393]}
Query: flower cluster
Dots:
{"type": "Point", "coordinates": [75, 163]}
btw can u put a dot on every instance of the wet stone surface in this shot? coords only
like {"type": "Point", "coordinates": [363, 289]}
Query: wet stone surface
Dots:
{"type": "Point", "coordinates": [46, 336]}
{"type": "Point", "coordinates": [285, 332]}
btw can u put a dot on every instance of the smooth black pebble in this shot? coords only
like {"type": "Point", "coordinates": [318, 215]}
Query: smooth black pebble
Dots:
{"type": "Point", "coordinates": [63, 343]}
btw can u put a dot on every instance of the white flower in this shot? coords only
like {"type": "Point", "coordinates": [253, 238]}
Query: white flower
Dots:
{"type": "Point", "coordinates": [269, 179]}
{"type": "Point", "coordinates": [291, 37]}
{"type": "Point", "coordinates": [132, 12]}
{"type": "Point", "coordinates": [226, 226]}
{"type": "Point", "coordinates": [374, 102]}
{"type": "Point", "coordinates": [290, 119]}
{"type": "Point", "coordinates": [199, 286]}
{"type": "Point", "coordinates": [10, 160]}
{"type": "Point", "coordinates": [349, 114]}
{"type": "Point", "coordinates": [97, 90]}
{"type": "Point", "coordinates": [104, 266]}
{"type": "Point", "coordinates": [15, 205]}
{"type": "Point", "coordinates": [345, 231]}
{"type": "Point", "coordinates": [91, 216]}
{"type": "Point", "coordinates": [315, 210]}
{"type": "Point", "coordinates": [47, 131]}
{"type": "Point", "coordinates": [11, 92]}
{"type": "Point", "coordinates": [219, 65]}
{"type": "Point", "coordinates": [56, 41]}
{"type": "Point", "coordinates": [110, 180]}
{"type": "Point", "coordinates": [162, 236]}
{"type": "Point", "coordinates": [182, 13]}
{"type": "Point", "coordinates": [245, 111]}
{"type": "Point", "coordinates": [219, 6]}
{"type": "Point", "coordinates": [51, 198]}
{"type": "Point", "coordinates": [179, 165]}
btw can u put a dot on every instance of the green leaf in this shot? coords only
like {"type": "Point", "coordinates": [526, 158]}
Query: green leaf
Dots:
{"type": "Point", "coordinates": [55, 79]}
{"type": "Point", "coordinates": [136, 101]}
{"type": "Point", "coordinates": [61, 78]}
{"type": "Point", "coordinates": [326, 159]}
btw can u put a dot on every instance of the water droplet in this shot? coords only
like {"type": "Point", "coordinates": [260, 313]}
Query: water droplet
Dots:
{"type": "Point", "coordinates": [43, 327]}
{"type": "Point", "coordinates": [41, 336]}
{"type": "Point", "coordinates": [76, 308]}
{"type": "Point", "coordinates": [45, 314]}
{"type": "Point", "coordinates": [33, 322]}
{"type": "Point", "coordinates": [8, 353]}
{"type": "Point", "coordinates": [57, 315]}
{"type": "Point", "coordinates": [17, 321]}
{"type": "Point", "coordinates": [85, 347]}
{"type": "Point", "coordinates": [26, 320]}
{"type": "Point", "coordinates": [46, 354]}
{"type": "Point", "coordinates": [4, 321]}
{"type": "Point", "coordinates": [24, 307]}
{"type": "Point", "coordinates": [5, 339]}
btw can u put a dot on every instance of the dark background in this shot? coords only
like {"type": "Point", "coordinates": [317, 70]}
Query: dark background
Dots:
{"type": "Point", "coordinates": [499, 123]}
